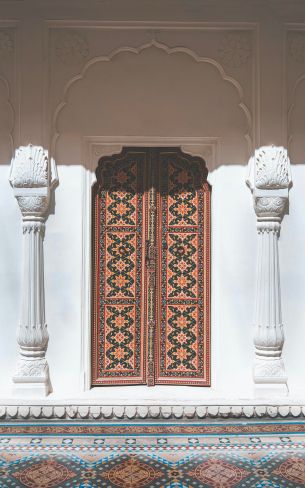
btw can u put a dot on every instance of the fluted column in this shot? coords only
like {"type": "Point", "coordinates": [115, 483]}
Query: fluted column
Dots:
{"type": "Point", "coordinates": [269, 180]}
{"type": "Point", "coordinates": [31, 179]}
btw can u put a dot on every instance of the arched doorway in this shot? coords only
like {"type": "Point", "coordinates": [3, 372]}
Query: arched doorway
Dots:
{"type": "Point", "coordinates": [151, 269]}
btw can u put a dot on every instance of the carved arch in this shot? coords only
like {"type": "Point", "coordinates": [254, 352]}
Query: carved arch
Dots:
{"type": "Point", "coordinates": [168, 50]}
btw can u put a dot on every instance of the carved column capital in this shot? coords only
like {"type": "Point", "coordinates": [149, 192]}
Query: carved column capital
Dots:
{"type": "Point", "coordinates": [30, 168]}
{"type": "Point", "coordinates": [32, 205]}
{"type": "Point", "coordinates": [270, 207]}
{"type": "Point", "coordinates": [32, 178]}
{"type": "Point", "coordinates": [269, 180]}
{"type": "Point", "coordinates": [269, 169]}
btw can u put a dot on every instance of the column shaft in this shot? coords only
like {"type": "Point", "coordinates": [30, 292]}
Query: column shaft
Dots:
{"type": "Point", "coordinates": [269, 335]}
{"type": "Point", "coordinates": [32, 335]}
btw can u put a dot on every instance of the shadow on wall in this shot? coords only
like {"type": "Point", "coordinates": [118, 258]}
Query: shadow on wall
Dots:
{"type": "Point", "coordinates": [152, 92]}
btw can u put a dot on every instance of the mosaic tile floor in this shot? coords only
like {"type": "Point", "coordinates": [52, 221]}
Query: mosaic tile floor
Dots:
{"type": "Point", "coordinates": [161, 455]}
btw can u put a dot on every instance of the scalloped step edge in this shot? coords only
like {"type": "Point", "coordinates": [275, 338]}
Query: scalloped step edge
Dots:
{"type": "Point", "coordinates": [130, 412]}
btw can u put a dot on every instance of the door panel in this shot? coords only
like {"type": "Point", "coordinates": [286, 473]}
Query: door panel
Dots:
{"type": "Point", "coordinates": [151, 263]}
{"type": "Point", "coordinates": [119, 303]}
{"type": "Point", "coordinates": [183, 270]}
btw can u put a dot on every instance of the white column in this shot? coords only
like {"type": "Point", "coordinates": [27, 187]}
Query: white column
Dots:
{"type": "Point", "coordinates": [31, 179]}
{"type": "Point", "coordinates": [269, 180]}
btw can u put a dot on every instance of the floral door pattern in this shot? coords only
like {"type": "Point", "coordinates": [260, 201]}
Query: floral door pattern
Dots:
{"type": "Point", "coordinates": [119, 218]}
{"type": "Point", "coordinates": [151, 261]}
{"type": "Point", "coordinates": [183, 257]}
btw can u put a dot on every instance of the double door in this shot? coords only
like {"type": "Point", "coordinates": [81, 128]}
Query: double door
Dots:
{"type": "Point", "coordinates": [151, 269]}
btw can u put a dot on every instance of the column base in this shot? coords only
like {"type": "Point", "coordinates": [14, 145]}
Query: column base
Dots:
{"type": "Point", "coordinates": [32, 378]}
{"type": "Point", "coordinates": [31, 390]}
{"type": "Point", "coordinates": [270, 378]}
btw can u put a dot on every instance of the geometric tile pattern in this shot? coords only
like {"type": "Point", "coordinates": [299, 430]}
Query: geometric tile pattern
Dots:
{"type": "Point", "coordinates": [218, 473]}
{"type": "Point", "coordinates": [293, 469]}
{"type": "Point", "coordinates": [44, 474]}
{"type": "Point", "coordinates": [132, 472]}
{"type": "Point", "coordinates": [158, 461]}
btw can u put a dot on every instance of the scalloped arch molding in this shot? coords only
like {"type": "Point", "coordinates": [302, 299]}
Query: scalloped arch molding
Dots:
{"type": "Point", "coordinates": [127, 49]}
{"type": "Point", "coordinates": [5, 88]}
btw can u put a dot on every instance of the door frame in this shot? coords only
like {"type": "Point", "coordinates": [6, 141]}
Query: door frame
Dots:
{"type": "Point", "coordinates": [93, 148]}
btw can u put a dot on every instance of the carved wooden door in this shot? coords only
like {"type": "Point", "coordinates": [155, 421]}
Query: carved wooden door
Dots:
{"type": "Point", "coordinates": [151, 268]}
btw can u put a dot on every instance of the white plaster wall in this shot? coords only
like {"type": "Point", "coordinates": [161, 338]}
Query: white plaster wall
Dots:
{"type": "Point", "coordinates": [63, 266]}
{"type": "Point", "coordinates": [138, 81]}
{"type": "Point", "coordinates": [10, 272]}
{"type": "Point", "coordinates": [292, 260]}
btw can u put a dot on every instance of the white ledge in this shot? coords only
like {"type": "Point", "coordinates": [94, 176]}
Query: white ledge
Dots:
{"type": "Point", "coordinates": [21, 411]}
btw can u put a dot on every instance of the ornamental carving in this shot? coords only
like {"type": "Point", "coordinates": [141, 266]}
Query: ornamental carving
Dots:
{"type": "Point", "coordinates": [30, 205]}
{"type": "Point", "coordinates": [152, 34]}
{"type": "Point", "coordinates": [265, 206]}
{"type": "Point", "coordinates": [6, 42]}
{"type": "Point", "coordinates": [71, 48]}
{"type": "Point", "coordinates": [265, 337]}
{"type": "Point", "coordinates": [30, 168]}
{"type": "Point", "coordinates": [37, 368]}
{"type": "Point", "coordinates": [235, 49]}
{"type": "Point", "coordinates": [270, 369]}
{"type": "Point", "coordinates": [296, 43]}
{"type": "Point", "coordinates": [272, 168]}
{"type": "Point", "coordinates": [34, 227]}
{"type": "Point", "coordinates": [29, 336]}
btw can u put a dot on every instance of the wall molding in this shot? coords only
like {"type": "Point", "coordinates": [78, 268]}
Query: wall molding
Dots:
{"type": "Point", "coordinates": [11, 82]}
{"type": "Point", "coordinates": [95, 147]}
{"type": "Point", "coordinates": [147, 24]}
{"type": "Point", "coordinates": [251, 118]}
{"type": "Point", "coordinates": [59, 411]}
{"type": "Point", "coordinates": [289, 92]}
{"type": "Point", "coordinates": [9, 103]}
